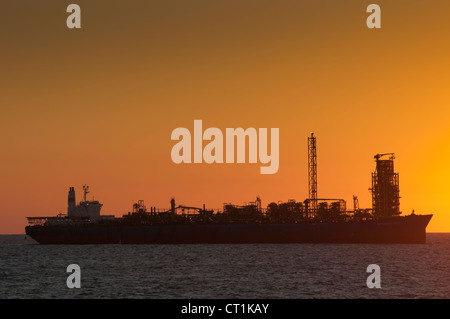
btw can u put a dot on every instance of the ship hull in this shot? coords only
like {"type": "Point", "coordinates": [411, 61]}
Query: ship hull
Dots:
{"type": "Point", "coordinates": [406, 230]}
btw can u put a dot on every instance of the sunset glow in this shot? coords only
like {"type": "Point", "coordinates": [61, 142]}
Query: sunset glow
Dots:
{"type": "Point", "coordinates": [98, 105]}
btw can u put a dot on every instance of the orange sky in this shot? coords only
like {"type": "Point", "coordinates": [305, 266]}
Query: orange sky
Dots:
{"type": "Point", "coordinates": [97, 105]}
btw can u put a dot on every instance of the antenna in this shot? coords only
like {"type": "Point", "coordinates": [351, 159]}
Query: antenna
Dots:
{"type": "Point", "coordinates": [86, 191]}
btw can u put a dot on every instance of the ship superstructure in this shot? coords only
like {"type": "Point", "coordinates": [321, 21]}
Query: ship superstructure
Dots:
{"type": "Point", "coordinates": [85, 209]}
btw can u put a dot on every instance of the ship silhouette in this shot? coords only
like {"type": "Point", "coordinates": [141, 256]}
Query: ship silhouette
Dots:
{"type": "Point", "coordinates": [314, 220]}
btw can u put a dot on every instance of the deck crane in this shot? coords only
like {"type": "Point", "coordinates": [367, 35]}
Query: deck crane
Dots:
{"type": "Point", "coordinates": [380, 155]}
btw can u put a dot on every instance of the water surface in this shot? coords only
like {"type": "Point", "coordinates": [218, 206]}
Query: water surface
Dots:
{"type": "Point", "coordinates": [29, 270]}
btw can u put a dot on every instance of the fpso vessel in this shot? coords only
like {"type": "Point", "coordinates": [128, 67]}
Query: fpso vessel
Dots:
{"type": "Point", "coordinates": [314, 220]}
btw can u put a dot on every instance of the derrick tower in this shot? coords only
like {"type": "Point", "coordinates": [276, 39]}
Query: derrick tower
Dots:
{"type": "Point", "coordinates": [312, 171]}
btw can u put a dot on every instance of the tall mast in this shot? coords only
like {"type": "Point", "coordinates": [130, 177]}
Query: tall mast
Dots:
{"type": "Point", "coordinates": [312, 171]}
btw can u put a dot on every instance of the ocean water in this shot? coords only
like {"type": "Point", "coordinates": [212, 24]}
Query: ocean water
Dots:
{"type": "Point", "coordinates": [293, 271]}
